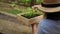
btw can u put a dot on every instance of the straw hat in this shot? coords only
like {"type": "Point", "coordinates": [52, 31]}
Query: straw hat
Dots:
{"type": "Point", "coordinates": [49, 6]}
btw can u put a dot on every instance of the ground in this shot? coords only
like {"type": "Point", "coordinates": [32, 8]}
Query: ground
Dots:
{"type": "Point", "coordinates": [8, 27]}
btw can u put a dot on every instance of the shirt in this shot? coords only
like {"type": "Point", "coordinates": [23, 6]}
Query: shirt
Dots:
{"type": "Point", "coordinates": [47, 26]}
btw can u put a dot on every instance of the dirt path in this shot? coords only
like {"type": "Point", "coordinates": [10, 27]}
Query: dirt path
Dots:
{"type": "Point", "coordinates": [8, 27]}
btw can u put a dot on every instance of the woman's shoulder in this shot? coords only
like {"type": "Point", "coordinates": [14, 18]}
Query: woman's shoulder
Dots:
{"type": "Point", "coordinates": [46, 21]}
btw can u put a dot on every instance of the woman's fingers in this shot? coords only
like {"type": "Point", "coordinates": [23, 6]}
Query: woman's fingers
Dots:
{"type": "Point", "coordinates": [34, 7]}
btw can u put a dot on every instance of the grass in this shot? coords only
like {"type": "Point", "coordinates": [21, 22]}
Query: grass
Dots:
{"type": "Point", "coordinates": [13, 11]}
{"type": "Point", "coordinates": [10, 10]}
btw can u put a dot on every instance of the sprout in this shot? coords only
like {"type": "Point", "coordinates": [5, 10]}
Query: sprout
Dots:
{"type": "Point", "coordinates": [31, 14]}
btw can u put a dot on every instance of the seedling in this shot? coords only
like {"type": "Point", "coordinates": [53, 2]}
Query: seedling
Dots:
{"type": "Point", "coordinates": [30, 13]}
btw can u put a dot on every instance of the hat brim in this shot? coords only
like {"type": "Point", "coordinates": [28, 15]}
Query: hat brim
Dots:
{"type": "Point", "coordinates": [44, 9]}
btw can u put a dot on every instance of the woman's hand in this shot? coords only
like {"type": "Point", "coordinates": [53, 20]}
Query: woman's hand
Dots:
{"type": "Point", "coordinates": [35, 7]}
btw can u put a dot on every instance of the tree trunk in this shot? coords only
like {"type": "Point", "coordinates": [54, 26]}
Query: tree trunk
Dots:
{"type": "Point", "coordinates": [32, 2]}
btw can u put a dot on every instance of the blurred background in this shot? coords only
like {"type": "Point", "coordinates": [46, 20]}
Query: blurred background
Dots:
{"type": "Point", "coordinates": [8, 8]}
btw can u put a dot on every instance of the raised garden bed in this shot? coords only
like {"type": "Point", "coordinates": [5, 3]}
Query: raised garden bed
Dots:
{"type": "Point", "coordinates": [30, 17]}
{"type": "Point", "coordinates": [29, 21]}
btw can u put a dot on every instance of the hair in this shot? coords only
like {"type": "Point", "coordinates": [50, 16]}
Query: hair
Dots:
{"type": "Point", "coordinates": [51, 1]}
{"type": "Point", "coordinates": [53, 16]}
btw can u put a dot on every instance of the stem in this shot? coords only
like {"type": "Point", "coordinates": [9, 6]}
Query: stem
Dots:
{"type": "Point", "coordinates": [32, 3]}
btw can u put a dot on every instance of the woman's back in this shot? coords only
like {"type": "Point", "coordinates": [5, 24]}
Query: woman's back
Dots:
{"type": "Point", "coordinates": [47, 26]}
{"type": "Point", "coordinates": [50, 24]}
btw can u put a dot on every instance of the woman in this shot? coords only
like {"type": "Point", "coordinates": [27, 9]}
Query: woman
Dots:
{"type": "Point", "coordinates": [51, 23]}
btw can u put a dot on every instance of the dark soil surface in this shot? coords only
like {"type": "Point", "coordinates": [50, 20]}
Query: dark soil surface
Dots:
{"type": "Point", "coordinates": [29, 17]}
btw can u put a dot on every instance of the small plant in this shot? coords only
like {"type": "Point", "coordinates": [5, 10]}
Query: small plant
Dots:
{"type": "Point", "coordinates": [12, 4]}
{"type": "Point", "coordinates": [30, 13]}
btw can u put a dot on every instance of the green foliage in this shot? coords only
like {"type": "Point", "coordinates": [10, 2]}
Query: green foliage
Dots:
{"type": "Point", "coordinates": [13, 11]}
{"type": "Point", "coordinates": [12, 4]}
{"type": "Point", "coordinates": [38, 1]}
{"type": "Point", "coordinates": [25, 1]}
{"type": "Point", "coordinates": [30, 13]}
{"type": "Point", "coordinates": [21, 1]}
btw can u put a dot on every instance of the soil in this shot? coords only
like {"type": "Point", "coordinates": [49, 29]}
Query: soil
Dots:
{"type": "Point", "coordinates": [31, 16]}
